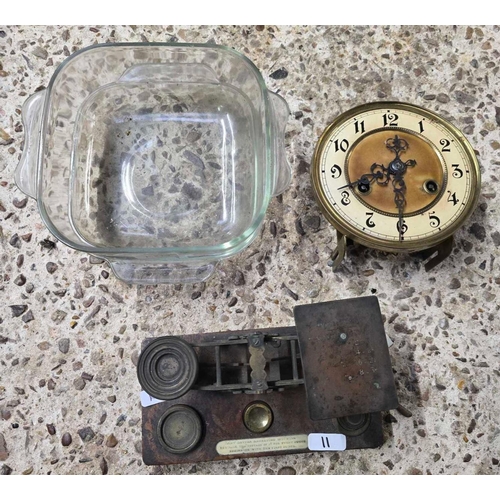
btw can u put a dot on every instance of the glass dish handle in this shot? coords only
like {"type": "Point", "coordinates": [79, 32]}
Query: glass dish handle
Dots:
{"type": "Point", "coordinates": [26, 171]}
{"type": "Point", "coordinates": [282, 168]}
{"type": "Point", "coordinates": [153, 273]}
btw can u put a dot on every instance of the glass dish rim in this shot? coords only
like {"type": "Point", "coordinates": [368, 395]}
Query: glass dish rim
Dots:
{"type": "Point", "coordinates": [212, 252]}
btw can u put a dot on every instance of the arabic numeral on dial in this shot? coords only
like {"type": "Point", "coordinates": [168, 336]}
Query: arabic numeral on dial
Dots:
{"type": "Point", "coordinates": [452, 198]}
{"type": "Point", "coordinates": [402, 228]}
{"type": "Point", "coordinates": [369, 222]}
{"type": "Point", "coordinates": [336, 171]}
{"type": "Point", "coordinates": [341, 145]}
{"type": "Point", "coordinates": [359, 127]}
{"type": "Point", "coordinates": [390, 119]}
{"type": "Point", "coordinates": [345, 198]}
{"type": "Point", "coordinates": [446, 145]}
{"type": "Point", "coordinates": [434, 220]}
{"type": "Point", "coordinates": [457, 172]}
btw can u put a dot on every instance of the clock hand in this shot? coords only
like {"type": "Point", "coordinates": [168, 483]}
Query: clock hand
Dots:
{"type": "Point", "coordinates": [398, 168]}
{"type": "Point", "coordinates": [378, 173]}
{"type": "Point", "coordinates": [398, 146]}
{"type": "Point", "coordinates": [399, 187]}
{"type": "Point", "coordinates": [363, 180]}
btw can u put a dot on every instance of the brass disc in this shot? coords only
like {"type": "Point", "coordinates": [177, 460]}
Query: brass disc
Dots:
{"type": "Point", "coordinates": [258, 417]}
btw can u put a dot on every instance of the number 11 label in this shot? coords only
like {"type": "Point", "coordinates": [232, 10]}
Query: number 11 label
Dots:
{"type": "Point", "coordinates": [326, 442]}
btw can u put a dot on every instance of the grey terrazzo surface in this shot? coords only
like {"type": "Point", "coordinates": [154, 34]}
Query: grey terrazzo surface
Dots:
{"type": "Point", "coordinates": [70, 332]}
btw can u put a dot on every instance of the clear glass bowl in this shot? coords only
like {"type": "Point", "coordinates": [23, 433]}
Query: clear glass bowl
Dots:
{"type": "Point", "coordinates": [159, 158]}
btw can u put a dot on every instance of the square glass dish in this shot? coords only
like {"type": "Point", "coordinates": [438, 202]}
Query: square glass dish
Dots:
{"type": "Point", "coordinates": [159, 158]}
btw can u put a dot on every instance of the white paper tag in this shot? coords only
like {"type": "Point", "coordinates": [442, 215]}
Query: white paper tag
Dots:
{"type": "Point", "coordinates": [147, 400]}
{"type": "Point", "coordinates": [389, 340]}
{"type": "Point", "coordinates": [326, 442]}
{"type": "Point", "coordinates": [262, 445]}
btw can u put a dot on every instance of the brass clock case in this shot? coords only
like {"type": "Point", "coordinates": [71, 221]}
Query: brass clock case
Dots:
{"type": "Point", "coordinates": [427, 181]}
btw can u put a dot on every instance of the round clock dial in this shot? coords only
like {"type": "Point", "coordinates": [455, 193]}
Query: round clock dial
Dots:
{"type": "Point", "coordinates": [395, 176]}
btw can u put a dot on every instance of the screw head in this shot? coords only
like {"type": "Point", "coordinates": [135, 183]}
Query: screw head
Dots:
{"type": "Point", "coordinates": [255, 341]}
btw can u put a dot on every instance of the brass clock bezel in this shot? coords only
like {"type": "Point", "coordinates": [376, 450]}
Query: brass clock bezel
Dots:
{"type": "Point", "coordinates": [344, 227]}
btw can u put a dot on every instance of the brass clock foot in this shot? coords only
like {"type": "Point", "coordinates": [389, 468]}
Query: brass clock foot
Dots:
{"type": "Point", "coordinates": [443, 251]}
{"type": "Point", "coordinates": [339, 252]}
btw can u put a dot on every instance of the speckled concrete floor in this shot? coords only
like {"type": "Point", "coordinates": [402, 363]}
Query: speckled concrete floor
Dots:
{"type": "Point", "coordinates": [67, 350]}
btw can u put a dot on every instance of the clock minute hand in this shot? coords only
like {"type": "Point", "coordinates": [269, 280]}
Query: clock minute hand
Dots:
{"type": "Point", "coordinates": [399, 187]}
{"type": "Point", "coordinates": [397, 168]}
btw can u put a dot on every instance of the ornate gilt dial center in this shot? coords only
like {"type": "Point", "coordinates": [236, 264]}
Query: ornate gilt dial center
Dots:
{"type": "Point", "coordinates": [428, 167]}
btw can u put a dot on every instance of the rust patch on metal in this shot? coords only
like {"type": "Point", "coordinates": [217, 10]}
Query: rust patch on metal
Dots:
{"type": "Point", "coordinates": [347, 367]}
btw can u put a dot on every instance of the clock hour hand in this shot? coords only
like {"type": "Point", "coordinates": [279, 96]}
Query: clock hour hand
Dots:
{"type": "Point", "coordinates": [378, 173]}
{"type": "Point", "coordinates": [364, 180]}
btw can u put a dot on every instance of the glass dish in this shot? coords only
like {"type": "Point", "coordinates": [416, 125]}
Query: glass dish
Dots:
{"type": "Point", "coordinates": [159, 158]}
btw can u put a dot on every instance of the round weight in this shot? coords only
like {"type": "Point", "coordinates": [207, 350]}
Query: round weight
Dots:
{"type": "Point", "coordinates": [179, 429]}
{"type": "Point", "coordinates": [167, 368]}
